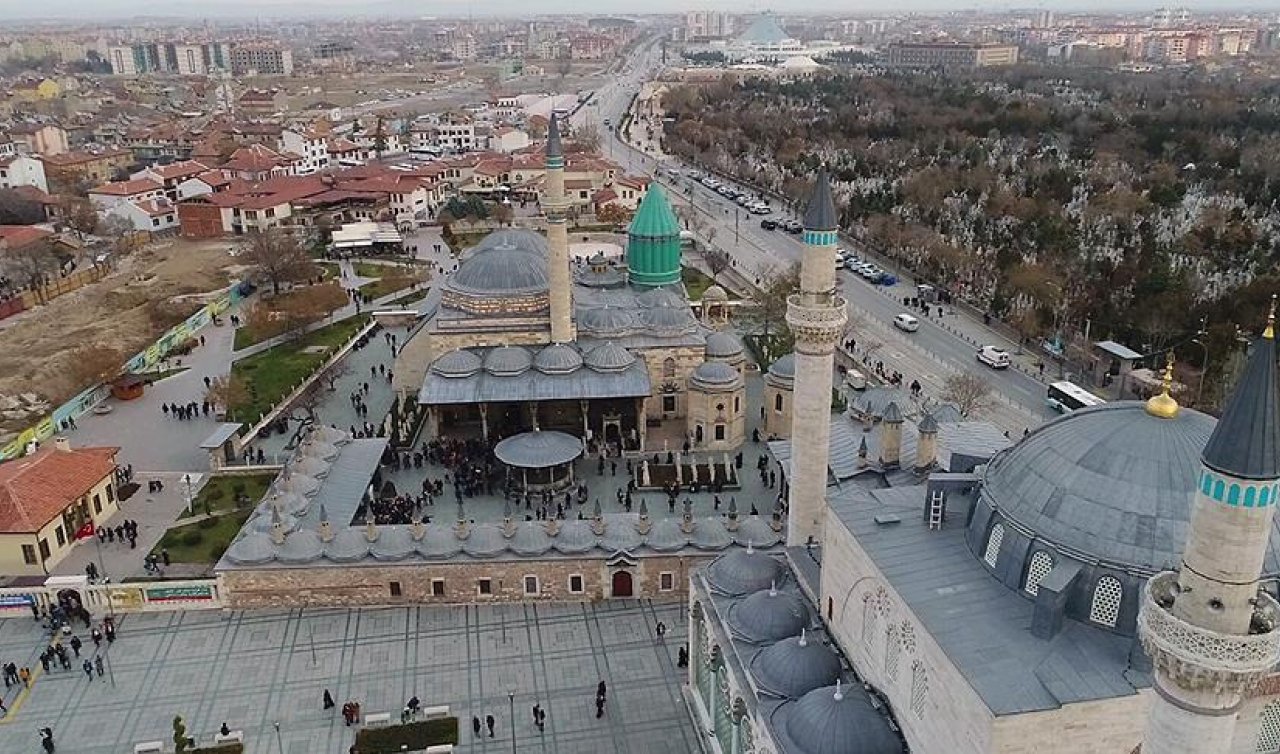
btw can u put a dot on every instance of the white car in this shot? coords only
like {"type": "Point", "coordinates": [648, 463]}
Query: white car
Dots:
{"type": "Point", "coordinates": [994, 357]}
{"type": "Point", "coordinates": [906, 322]}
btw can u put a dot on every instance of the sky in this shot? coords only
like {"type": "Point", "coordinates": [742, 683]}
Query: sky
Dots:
{"type": "Point", "coordinates": [192, 10]}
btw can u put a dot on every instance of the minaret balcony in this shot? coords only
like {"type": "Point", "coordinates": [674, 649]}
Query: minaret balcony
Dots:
{"type": "Point", "coordinates": [1202, 659]}
{"type": "Point", "coordinates": [816, 326]}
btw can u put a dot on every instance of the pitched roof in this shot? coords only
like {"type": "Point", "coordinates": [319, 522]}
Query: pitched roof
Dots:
{"type": "Point", "coordinates": [184, 169]}
{"type": "Point", "coordinates": [127, 188]}
{"type": "Point", "coordinates": [156, 207]}
{"type": "Point", "coordinates": [1246, 442]}
{"type": "Point", "coordinates": [18, 236]}
{"type": "Point", "coordinates": [34, 489]}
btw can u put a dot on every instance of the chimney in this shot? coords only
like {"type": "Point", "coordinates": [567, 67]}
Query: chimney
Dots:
{"type": "Point", "coordinates": [927, 446]}
{"type": "Point", "coordinates": [62, 443]}
{"type": "Point", "coordinates": [891, 436]}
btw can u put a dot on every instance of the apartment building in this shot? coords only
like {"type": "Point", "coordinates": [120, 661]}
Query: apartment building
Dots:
{"type": "Point", "coordinates": [930, 55]}
{"type": "Point", "coordinates": [261, 59]}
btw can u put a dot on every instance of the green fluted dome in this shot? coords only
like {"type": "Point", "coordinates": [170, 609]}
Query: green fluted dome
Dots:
{"type": "Point", "coordinates": [653, 242]}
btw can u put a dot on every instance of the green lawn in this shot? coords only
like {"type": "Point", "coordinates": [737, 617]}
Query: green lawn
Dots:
{"type": "Point", "coordinates": [389, 284]}
{"type": "Point", "coordinates": [371, 270]}
{"type": "Point", "coordinates": [411, 298]}
{"type": "Point", "coordinates": [204, 541]}
{"type": "Point", "coordinates": [272, 374]}
{"type": "Point", "coordinates": [219, 493]}
{"type": "Point", "coordinates": [695, 282]}
{"type": "Point", "coordinates": [331, 270]}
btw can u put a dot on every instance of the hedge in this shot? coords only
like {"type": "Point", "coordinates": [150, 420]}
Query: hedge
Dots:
{"type": "Point", "coordinates": [416, 736]}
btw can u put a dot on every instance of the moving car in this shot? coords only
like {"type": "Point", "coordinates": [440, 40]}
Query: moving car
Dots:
{"type": "Point", "coordinates": [769, 224]}
{"type": "Point", "coordinates": [906, 322]}
{"type": "Point", "coordinates": [793, 226]}
{"type": "Point", "coordinates": [760, 208]}
{"type": "Point", "coordinates": [994, 357]}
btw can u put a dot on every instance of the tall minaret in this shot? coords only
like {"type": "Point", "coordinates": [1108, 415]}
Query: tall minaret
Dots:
{"type": "Point", "coordinates": [817, 317]}
{"type": "Point", "coordinates": [1210, 632]}
{"type": "Point", "coordinates": [554, 205]}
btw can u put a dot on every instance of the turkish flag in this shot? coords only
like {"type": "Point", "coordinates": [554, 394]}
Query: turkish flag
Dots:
{"type": "Point", "coordinates": [85, 531]}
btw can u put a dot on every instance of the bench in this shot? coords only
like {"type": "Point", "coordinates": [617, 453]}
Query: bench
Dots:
{"type": "Point", "coordinates": [431, 713]}
{"type": "Point", "coordinates": [149, 747]}
{"type": "Point", "coordinates": [377, 719]}
{"type": "Point", "coordinates": [235, 736]}
{"type": "Point", "coordinates": [440, 749]}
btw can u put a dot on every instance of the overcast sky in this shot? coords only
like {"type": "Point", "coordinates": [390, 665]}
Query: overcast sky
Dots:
{"type": "Point", "coordinates": [193, 11]}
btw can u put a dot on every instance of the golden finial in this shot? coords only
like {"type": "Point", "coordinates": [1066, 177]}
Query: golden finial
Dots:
{"type": "Point", "coordinates": [1163, 405]}
{"type": "Point", "coordinates": [1270, 332]}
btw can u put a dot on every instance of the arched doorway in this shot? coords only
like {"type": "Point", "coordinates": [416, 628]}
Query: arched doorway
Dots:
{"type": "Point", "coordinates": [621, 584]}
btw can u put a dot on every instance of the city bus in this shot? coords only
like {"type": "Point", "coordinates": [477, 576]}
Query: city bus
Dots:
{"type": "Point", "coordinates": [1065, 397]}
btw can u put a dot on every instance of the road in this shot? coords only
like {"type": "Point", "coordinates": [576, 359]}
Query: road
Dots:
{"type": "Point", "coordinates": [942, 346]}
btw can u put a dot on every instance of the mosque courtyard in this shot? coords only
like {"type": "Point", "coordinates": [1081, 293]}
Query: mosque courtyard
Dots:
{"type": "Point", "coordinates": [255, 669]}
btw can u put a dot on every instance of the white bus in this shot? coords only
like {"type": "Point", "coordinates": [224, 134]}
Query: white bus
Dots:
{"type": "Point", "coordinates": [1065, 397]}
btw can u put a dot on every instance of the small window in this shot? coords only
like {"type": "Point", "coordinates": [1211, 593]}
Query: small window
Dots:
{"type": "Point", "coordinates": [62, 538]}
{"type": "Point", "coordinates": [719, 431]}
{"type": "Point", "coordinates": [575, 584]}
{"type": "Point", "coordinates": [1041, 565]}
{"type": "Point", "coordinates": [669, 404]}
{"type": "Point", "coordinates": [394, 588]}
{"type": "Point", "coordinates": [666, 581]}
{"type": "Point", "coordinates": [111, 494]}
{"type": "Point", "coordinates": [830, 608]}
{"type": "Point", "coordinates": [777, 403]}
{"type": "Point", "coordinates": [155, 222]}
{"type": "Point", "coordinates": [29, 555]}
{"type": "Point", "coordinates": [437, 587]}
{"type": "Point", "coordinates": [97, 502]}
{"type": "Point", "coordinates": [669, 367]}
{"type": "Point", "coordinates": [994, 540]}
{"type": "Point", "coordinates": [1106, 601]}
{"type": "Point", "coordinates": [485, 586]}
{"type": "Point", "coordinates": [530, 585]}
{"type": "Point", "coordinates": [737, 404]}
{"type": "Point", "coordinates": [44, 549]}
{"type": "Point", "coordinates": [919, 688]}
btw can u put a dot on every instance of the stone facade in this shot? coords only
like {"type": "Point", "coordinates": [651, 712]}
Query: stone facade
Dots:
{"type": "Point", "coordinates": [777, 409]}
{"type": "Point", "coordinates": [673, 374]}
{"type": "Point", "coordinates": [461, 582]}
{"type": "Point", "coordinates": [718, 411]}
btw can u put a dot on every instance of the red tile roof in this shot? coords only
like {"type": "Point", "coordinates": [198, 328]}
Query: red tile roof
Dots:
{"type": "Point", "coordinates": [35, 489]}
{"type": "Point", "coordinates": [19, 236]}
{"type": "Point", "coordinates": [156, 207]}
{"type": "Point", "coordinates": [184, 169]}
{"type": "Point", "coordinates": [127, 188]}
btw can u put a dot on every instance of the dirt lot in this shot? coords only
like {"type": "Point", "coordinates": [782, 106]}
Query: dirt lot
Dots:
{"type": "Point", "coordinates": [149, 291]}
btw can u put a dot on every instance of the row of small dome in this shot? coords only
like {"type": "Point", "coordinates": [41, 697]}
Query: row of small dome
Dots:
{"type": "Point", "coordinates": [510, 361]}
{"type": "Point", "coordinates": [616, 321]}
{"type": "Point", "coordinates": [440, 541]}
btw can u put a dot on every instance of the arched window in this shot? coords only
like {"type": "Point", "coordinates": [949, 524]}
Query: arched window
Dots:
{"type": "Point", "coordinates": [994, 540]}
{"type": "Point", "coordinates": [777, 402]}
{"type": "Point", "coordinates": [669, 368]}
{"type": "Point", "coordinates": [919, 688]}
{"type": "Point", "coordinates": [892, 653]}
{"type": "Point", "coordinates": [1269, 729]}
{"type": "Point", "coordinates": [1041, 564]}
{"type": "Point", "coordinates": [1106, 601]}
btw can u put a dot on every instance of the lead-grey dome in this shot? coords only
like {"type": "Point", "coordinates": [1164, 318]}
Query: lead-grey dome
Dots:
{"type": "Point", "coordinates": [302, 546]}
{"type": "Point", "coordinates": [662, 297]}
{"type": "Point", "coordinates": [715, 375]}
{"type": "Point", "coordinates": [826, 722]}
{"type": "Point", "coordinates": [393, 543]}
{"type": "Point", "coordinates": [506, 262]}
{"type": "Point", "coordinates": [768, 616]}
{"type": "Point", "coordinates": [558, 358]}
{"type": "Point", "coordinates": [742, 572]}
{"type": "Point", "coordinates": [609, 357]}
{"type": "Point", "coordinates": [1110, 483]}
{"type": "Point", "coordinates": [459, 363]}
{"type": "Point", "coordinates": [253, 548]}
{"type": "Point", "coordinates": [507, 361]}
{"type": "Point", "coordinates": [783, 368]}
{"type": "Point", "coordinates": [348, 545]}
{"type": "Point", "coordinates": [793, 667]}
{"type": "Point", "coordinates": [723, 345]}
{"type": "Point", "coordinates": [669, 319]}
{"type": "Point", "coordinates": [607, 321]}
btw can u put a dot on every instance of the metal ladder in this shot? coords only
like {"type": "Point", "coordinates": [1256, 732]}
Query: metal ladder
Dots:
{"type": "Point", "coordinates": [936, 508]}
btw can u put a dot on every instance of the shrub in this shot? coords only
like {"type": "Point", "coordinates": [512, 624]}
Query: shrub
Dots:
{"type": "Point", "coordinates": [416, 736]}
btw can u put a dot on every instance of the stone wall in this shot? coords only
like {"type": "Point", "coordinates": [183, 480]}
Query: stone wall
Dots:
{"type": "Point", "coordinates": [357, 585]}
{"type": "Point", "coordinates": [687, 359]}
{"type": "Point", "coordinates": [777, 423]}
{"type": "Point", "coordinates": [702, 410]}
{"type": "Point", "coordinates": [1106, 725]}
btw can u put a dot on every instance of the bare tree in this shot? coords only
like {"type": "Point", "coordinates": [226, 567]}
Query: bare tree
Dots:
{"type": "Point", "coordinates": [717, 259]}
{"type": "Point", "coordinates": [17, 210]}
{"type": "Point", "coordinates": [229, 391]}
{"type": "Point", "coordinates": [33, 264]}
{"type": "Point", "coordinates": [587, 136]}
{"type": "Point", "coordinates": [336, 371]}
{"type": "Point", "coordinates": [80, 216]}
{"type": "Point", "coordinates": [278, 258]}
{"type": "Point", "coordinates": [969, 392]}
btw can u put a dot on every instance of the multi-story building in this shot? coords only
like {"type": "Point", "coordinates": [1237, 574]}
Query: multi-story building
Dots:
{"type": "Point", "coordinates": [70, 171]}
{"type": "Point", "coordinates": [707, 24]}
{"type": "Point", "coordinates": [41, 138]}
{"type": "Point", "coordinates": [262, 59]}
{"type": "Point", "coordinates": [310, 144]}
{"type": "Point", "coordinates": [456, 132]}
{"type": "Point", "coordinates": [22, 170]}
{"type": "Point", "coordinates": [190, 60]}
{"type": "Point", "coordinates": [931, 55]}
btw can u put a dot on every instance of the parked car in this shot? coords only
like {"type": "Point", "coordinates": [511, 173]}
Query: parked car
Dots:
{"type": "Point", "coordinates": [994, 357]}
{"type": "Point", "coordinates": [769, 224]}
{"type": "Point", "coordinates": [794, 226]}
{"type": "Point", "coordinates": [855, 380]}
{"type": "Point", "coordinates": [906, 322]}
{"type": "Point", "coordinates": [760, 208]}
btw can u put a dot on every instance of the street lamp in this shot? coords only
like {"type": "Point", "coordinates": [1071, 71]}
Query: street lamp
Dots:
{"type": "Point", "coordinates": [511, 697]}
{"type": "Point", "coordinates": [279, 741]}
{"type": "Point", "coordinates": [1204, 362]}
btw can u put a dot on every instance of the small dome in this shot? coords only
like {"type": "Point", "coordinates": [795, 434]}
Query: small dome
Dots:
{"type": "Point", "coordinates": [557, 359]}
{"type": "Point", "coordinates": [393, 543]}
{"type": "Point", "coordinates": [666, 536]}
{"type": "Point", "coordinates": [723, 345]}
{"type": "Point", "coordinates": [665, 297]}
{"type": "Point", "coordinates": [459, 363]}
{"type": "Point", "coordinates": [531, 539]}
{"type": "Point", "coordinates": [252, 549]}
{"type": "Point", "coordinates": [755, 530]}
{"type": "Point", "coordinates": [439, 542]}
{"type": "Point", "coordinates": [507, 361]}
{"type": "Point", "coordinates": [620, 532]}
{"type": "Point", "coordinates": [783, 369]}
{"type": "Point", "coordinates": [715, 293]}
{"type": "Point", "coordinates": [825, 721]}
{"type": "Point", "coordinates": [793, 667]}
{"type": "Point", "coordinates": [669, 319]}
{"type": "Point", "coordinates": [302, 546]}
{"type": "Point", "coordinates": [715, 375]}
{"type": "Point", "coordinates": [485, 541]}
{"type": "Point", "coordinates": [575, 538]}
{"type": "Point", "coordinates": [348, 545]}
{"type": "Point", "coordinates": [768, 616]}
{"type": "Point", "coordinates": [607, 321]}
{"type": "Point", "coordinates": [610, 357]}
{"type": "Point", "coordinates": [710, 534]}
{"type": "Point", "coordinates": [743, 572]}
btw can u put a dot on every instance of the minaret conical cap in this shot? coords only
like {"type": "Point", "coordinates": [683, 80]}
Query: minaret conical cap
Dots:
{"type": "Point", "coordinates": [1246, 442]}
{"type": "Point", "coordinates": [821, 212]}
{"type": "Point", "coordinates": [554, 147]}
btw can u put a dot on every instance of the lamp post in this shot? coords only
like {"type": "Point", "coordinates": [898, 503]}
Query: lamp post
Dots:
{"type": "Point", "coordinates": [1204, 362]}
{"type": "Point", "coordinates": [511, 697]}
{"type": "Point", "coordinates": [279, 741]}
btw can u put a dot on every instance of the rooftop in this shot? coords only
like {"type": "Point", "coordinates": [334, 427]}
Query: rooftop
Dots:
{"type": "Point", "coordinates": [36, 488]}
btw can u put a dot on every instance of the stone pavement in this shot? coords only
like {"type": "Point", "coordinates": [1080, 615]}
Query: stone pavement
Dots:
{"type": "Point", "coordinates": [254, 669]}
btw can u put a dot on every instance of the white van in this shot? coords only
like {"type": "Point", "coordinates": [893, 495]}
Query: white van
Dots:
{"type": "Point", "coordinates": [994, 357]}
{"type": "Point", "coordinates": [906, 323]}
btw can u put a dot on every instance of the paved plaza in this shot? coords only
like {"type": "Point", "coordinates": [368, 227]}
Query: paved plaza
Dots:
{"type": "Point", "coordinates": [253, 669]}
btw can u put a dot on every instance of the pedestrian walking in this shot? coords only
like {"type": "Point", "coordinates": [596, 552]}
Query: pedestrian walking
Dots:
{"type": "Point", "coordinates": [88, 669]}
{"type": "Point", "coordinates": [75, 645]}
{"type": "Point", "coordinates": [475, 725]}
{"type": "Point", "coordinates": [328, 700]}
{"type": "Point", "coordinates": [97, 665]}
{"type": "Point", "coordinates": [488, 720]}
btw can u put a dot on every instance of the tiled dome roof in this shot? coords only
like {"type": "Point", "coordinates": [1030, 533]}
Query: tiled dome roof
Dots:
{"type": "Point", "coordinates": [715, 374]}
{"type": "Point", "coordinates": [743, 572]}
{"type": "Point", "coordinates": [607, 321]}
{"type": "Point", "coordinates": [558, 358]}
{"type": "Point", "coordinates": [609, 357]}
{"type": "Point", "coordinates": [824, 722]}
{"type": "Point", "coordinates": [767, 616]}
{"type": "Point", "coordinates": [506, 262]}
{"type": "Point", "coordinates": [507, 361]}
{"type": "Point", "coordinates": [459, 363]}
{"type": "Point", "coordinates": [723, 345]}
{"type": "Point", "coordinates": [793, 667]}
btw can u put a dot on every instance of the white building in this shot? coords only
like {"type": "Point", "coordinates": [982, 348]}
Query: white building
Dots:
{"type": "Point", "coordinates": [154, 215]}
{"type": "Point", "coordinates": [190, 60]}
{"type": "Point", "coordinates": [22, 170]}
{"type": "Point", "coordinates": [109, 196]}
{"type": "Point", "coordinates": [507, 139]}
{"type": "Point", "coordinates": [313, 147]}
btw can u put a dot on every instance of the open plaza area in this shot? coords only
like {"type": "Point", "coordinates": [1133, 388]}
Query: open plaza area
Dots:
{"type": "Point", "coordinates": [252, 670]}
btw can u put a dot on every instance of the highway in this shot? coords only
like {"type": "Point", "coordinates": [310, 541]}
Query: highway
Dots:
{"type": "Point", "coordinates": [942, 345]}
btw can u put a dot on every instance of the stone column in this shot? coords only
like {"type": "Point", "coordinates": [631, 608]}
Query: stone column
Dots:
{"type": "Point", "coordinates": [484, 421]}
